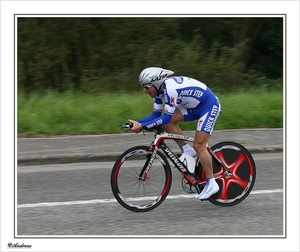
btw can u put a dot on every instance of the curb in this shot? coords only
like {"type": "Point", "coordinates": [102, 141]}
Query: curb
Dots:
{"type": "Point", "coordinates": [108, 157]}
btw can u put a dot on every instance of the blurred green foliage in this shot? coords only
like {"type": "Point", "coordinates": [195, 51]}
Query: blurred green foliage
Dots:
{"type": "Point", "coordinates": [100, 54]}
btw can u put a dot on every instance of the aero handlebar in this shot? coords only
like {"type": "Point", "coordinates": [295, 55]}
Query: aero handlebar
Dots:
{"type": "Point", "coordinates": [158, 129]}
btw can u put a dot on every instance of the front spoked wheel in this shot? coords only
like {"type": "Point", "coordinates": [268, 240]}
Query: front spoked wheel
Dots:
{"type": "Point", "coordinates": [135, 189]}
{"type": "Point", "coordinates": [235, 187]}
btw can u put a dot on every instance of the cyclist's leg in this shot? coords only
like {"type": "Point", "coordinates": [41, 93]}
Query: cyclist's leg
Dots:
{"type": "Point", "coordinates": [207, 118]}
{"type": "Point", "coordinates": [200, 143]}
{"type": "Point", "coordinates": [172, 126]}
{"type": "Point", "coordinates": [180, 115]}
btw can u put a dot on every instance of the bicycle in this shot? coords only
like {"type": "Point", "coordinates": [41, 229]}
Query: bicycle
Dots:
{"type": "Point", "coordinates": [141, 177]}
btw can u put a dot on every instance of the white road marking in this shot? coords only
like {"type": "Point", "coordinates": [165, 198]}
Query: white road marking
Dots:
{"type": "Point", "coordinates": [103, 201]}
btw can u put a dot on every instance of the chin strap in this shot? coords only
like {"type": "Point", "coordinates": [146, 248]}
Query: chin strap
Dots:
{"type": "Point", "coordinates": [157, 91]}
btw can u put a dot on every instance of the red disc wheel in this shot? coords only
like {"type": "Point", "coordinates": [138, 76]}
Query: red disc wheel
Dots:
{"type": "Point", "coordinates": [237, 186]}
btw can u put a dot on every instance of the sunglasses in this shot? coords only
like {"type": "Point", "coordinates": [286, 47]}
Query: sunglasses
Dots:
{"type": "Point", "coordinates": [146, 87]}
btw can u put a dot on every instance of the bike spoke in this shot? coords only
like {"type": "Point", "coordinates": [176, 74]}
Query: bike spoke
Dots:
{"type": "Point", "coordinates": [136, 186]}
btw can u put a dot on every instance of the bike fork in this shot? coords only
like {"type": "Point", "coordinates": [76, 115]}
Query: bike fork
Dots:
{"type": "Point", "coordinates": [148, 164]}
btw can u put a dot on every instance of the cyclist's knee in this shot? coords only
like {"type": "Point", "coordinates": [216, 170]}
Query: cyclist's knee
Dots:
{"type": "Point", "coordinates": [199, 146]}
{"type": "Point", "coordinates": [168, 127]}
{"type": "Point", "coordinates": [201, 140]}
{"type": "Point", "coordinates": [177, 116]}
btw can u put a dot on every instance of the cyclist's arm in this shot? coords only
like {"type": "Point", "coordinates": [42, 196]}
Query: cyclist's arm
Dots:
{"type": "Point", "coordinates": [162, 120]}
{"type": "Point", "coordinates": [154, 115]}
{"type": "Point", "coordinates": [170, 105]}
{"type": "Point", "coordinates": [157, 110]}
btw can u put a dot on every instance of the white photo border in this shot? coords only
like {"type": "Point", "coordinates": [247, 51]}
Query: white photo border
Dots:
{"type": "Point", "coordinates": [9, 10]}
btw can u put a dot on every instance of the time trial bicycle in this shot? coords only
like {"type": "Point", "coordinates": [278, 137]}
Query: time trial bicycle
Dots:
{"type": "Point", "coordinates": [141, 177]}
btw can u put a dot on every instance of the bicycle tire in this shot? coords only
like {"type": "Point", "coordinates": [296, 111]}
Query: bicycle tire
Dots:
{"type": "Point", "coordinates": [235, 188]}
{"type": "Point", "coordinates": [133, 193]}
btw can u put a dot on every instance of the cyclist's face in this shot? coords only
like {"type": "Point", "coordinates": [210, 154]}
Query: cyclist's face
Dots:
{"type": "Point", "coordinates": [150, 90]}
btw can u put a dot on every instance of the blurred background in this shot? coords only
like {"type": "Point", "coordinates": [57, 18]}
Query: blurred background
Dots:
{"type": "Point", "coordinates": [103, 56]}
{"type": "Point", "coordinates": [92, 54]}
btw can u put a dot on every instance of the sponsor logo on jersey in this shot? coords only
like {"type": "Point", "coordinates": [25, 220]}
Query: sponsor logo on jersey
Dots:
{"type": "Point", "coordinates": [191, 92]}
{"type": "Point", "coordinates": [172, 101]}
{"type": "Point", "coordinates": [211, 119]}
{"type": "Point", "coordinates": [178, 79]}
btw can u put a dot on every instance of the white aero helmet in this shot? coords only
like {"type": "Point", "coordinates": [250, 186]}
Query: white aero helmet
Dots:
{"type": "Point", "coordinates": [154, 75]}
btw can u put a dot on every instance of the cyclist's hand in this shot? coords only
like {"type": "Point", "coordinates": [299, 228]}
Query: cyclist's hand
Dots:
{"type": "Point", "coordinates": [136, 126]}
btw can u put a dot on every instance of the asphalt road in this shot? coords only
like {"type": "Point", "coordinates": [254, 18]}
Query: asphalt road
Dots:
{"type": "Point", "coordinates": [63, 191]}
{"type": "Point", "coordinates": [75, 199]}
{"type": "Point", "coordinates": [94, 148]}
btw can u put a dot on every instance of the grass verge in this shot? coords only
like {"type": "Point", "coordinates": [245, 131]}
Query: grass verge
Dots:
{"type": "Point", "coordinates": [78, 113]}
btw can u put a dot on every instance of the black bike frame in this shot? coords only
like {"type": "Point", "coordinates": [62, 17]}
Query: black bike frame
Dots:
{"type": "Point", "coordinates": [159, 143]}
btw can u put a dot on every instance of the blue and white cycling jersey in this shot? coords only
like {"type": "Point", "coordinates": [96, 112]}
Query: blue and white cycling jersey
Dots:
{"type": "Point", "coordinates": [192, 97]}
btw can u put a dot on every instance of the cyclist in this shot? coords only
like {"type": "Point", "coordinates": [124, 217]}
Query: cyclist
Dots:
{"type": "Point", "coordinates": [178, 99]}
